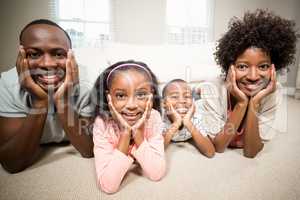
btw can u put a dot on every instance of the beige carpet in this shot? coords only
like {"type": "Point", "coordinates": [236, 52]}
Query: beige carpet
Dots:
{"type": "Point", "coordinates": [273, 175]}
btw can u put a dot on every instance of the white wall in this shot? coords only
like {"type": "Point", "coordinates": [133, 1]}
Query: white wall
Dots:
{"type": "Point", "coordinates": [14, 15]}
{"type": "Point", "coordinates": [136, 21]}
{"type": "Point", "coordinates": [139, 21]}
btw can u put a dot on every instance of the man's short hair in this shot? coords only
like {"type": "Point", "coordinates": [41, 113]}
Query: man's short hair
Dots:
{"type": "Point", "coordinates": [44, 21]}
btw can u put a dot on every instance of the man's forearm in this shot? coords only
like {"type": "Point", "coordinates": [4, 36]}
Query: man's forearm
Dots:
{"type": "Point", "coordinates": [77, 130]}
{"type": "Point", "coordinates": [22, 144]}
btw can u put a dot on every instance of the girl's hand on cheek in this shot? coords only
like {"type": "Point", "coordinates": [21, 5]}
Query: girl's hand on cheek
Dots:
{"type": "Point", "coordinates": [116, 115]}
{"type": "Point", "coordinates": [233, 88]}
{"type": "Point", "coordinates": [139, 124]}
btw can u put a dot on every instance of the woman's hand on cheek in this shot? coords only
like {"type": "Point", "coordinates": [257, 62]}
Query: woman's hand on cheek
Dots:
{"type": "Point", "coordinates": [271, 87]}
{"type": "Point", "coordinates": [233, 88]}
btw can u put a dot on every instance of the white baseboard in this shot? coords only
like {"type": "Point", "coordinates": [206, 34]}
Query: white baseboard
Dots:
{"type": "Point", "coordinates": [290, 91]}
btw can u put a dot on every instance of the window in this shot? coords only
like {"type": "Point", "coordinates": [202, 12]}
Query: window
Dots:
{"type": "Point", "coordinates": [87, 21]}
{"type": "Point", "coordinates": [189, 21]}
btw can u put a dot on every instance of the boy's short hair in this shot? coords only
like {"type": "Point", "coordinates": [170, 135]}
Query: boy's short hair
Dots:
{"type": "Point", "coordinates": [169, 83]}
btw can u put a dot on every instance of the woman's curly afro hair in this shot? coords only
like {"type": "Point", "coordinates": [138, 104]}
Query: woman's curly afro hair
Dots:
{"type": "Point", "coordinates": [260, 29]}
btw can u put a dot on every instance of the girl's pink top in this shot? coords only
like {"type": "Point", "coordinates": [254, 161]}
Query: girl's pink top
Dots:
{"type": "Point", "coordinates": [111, 164]}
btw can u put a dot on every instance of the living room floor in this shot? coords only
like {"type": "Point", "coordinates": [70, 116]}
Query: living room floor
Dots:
{"type": "Point", "coordinates": [274, 174]}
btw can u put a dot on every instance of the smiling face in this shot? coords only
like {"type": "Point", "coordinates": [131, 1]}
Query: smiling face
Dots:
{"type": "Point", "coordinates": [129, 91]}
{"type": "Point", "coordinates": [179, 95]}
{"type": "Point", "coordinates": [253, 71]}
{"type": "Point", "coordinates": [46, 48]}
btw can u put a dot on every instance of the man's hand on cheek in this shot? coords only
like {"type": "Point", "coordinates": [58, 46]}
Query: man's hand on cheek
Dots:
{"type": "Point", "coordinates": [66, 90]}
{"type": "Point", "coordinates": [39, 96]}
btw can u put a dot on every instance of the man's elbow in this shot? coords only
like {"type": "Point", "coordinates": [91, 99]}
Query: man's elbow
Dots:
{"type": "Point", "coordinates": [87, 154]}
{"type": "Point", "coordinates": [13, 168]}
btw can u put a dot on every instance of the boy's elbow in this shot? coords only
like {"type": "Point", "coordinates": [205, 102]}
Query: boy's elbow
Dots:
{"type": "Point", "coordinates": [219, 146]}
{"type": "Point", "coordinates": [220, 149]}
{"type": "Point", "coordinates": [210, 154]}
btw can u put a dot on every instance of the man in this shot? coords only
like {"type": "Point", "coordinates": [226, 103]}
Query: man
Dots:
{"type": "Point", "coordinates": [40, 99]}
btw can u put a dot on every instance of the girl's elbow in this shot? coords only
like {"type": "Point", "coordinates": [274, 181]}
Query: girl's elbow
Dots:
{"type": "Point", "coordinates": [107, 186]}
{"type": "Point", "coordinates": [158, 173]}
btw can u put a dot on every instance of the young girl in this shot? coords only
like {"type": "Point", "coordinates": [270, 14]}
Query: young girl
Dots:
{"type": "Point", "coordinates": [241, 114]}
{"type": "Point", "coordinates": [182, 121]}
{"type": "Point", "coordinates": [128, 124]}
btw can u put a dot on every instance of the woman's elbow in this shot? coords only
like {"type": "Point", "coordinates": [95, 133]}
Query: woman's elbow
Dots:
{"type": "Point", "coordinates": [251, 153]}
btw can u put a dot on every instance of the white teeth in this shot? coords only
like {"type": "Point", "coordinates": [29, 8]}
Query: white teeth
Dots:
{"type": "Point", "coordinates": [181, 110]}
{"type": "Point", "coordinates": [48, 73]}
{"type": "Point", "coordinates": [49, 76]}
{"type": "Point", "coordinates": [252, 86]}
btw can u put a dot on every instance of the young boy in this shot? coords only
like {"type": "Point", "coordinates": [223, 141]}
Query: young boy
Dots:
{"type": "Point", "coordinates": [181, 119]}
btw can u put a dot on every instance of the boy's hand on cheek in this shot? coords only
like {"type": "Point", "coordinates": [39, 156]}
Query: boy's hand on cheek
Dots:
{"type": "Point", "coordinates": [175, 116]}
{"type": "Point", "coordinates": [187, 118]}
